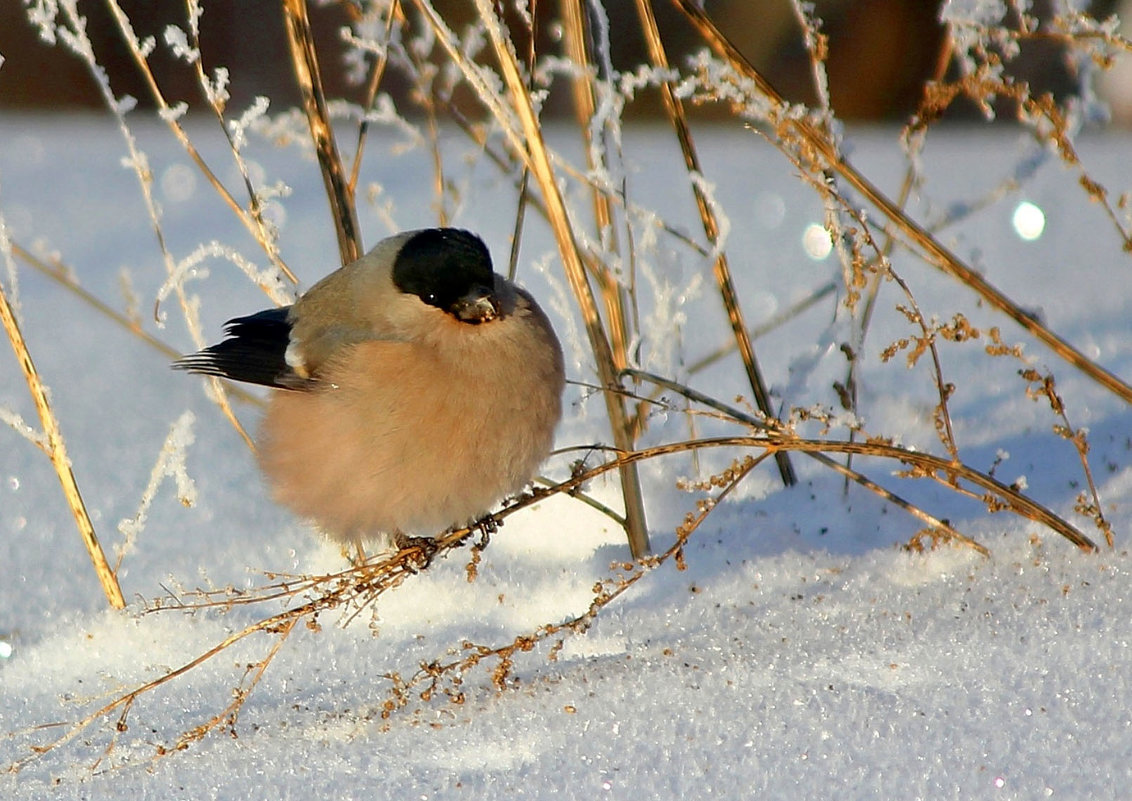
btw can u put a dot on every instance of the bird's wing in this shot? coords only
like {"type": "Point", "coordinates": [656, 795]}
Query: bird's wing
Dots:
{"type": "Point", "coordinates": [254, 352]}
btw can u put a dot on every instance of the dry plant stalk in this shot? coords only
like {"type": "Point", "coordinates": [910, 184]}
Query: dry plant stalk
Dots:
{"type": "Point", "coordinates": [433, 675]}
{"type": "Point", "coordinates": [613, 295]}
{"type": "Point", "coordinates": [338, 188]}
{"type": "Point", "coordinates": [677, 117]}
{"type": "Point", "coordinates": [998, 496]}
{"type": "Point", "coordinates": [849, 389]}
{"type": "Point", "coordinates": [376, 75]}
{"type": "Point", "coordinates": [56, 450]}
{"type": "Point", "coordinates": [253, 218]}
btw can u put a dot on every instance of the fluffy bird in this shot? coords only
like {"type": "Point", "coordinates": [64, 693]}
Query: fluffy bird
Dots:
{"type": "Point", "coordinates": [413, 388]}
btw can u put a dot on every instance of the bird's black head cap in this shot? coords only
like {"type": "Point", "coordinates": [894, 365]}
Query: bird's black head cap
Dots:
{"type": "Point", "coordinates": [442, 265]}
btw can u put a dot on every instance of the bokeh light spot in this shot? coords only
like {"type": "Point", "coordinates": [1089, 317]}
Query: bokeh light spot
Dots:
{"type": "Point", "coordinates": [1029, 221]}
{"type": "Point", "coordinates": [816, 242]}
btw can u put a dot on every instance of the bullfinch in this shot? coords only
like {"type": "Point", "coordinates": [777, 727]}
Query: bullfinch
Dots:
{"type": "Point", "coordinates": [411, 389]}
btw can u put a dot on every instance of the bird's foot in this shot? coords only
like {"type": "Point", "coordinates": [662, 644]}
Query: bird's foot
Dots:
{"type": "Point", "coordinates": [425, 547]}
{"type": "Point", "coordinates": [486, 525]}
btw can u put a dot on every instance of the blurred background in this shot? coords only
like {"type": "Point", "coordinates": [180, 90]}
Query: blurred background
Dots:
{"type": "Point", "coordinates": [880, 52]}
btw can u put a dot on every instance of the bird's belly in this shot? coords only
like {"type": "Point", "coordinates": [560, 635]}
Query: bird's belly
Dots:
{"type": "Point", "coordinates": [365, 463]}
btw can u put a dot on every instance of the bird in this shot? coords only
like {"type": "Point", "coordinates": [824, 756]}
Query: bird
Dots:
{"type": "Point", "coordinates": [411, 390]}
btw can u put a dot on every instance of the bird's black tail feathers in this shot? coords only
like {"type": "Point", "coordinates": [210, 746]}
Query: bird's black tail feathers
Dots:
{"type": "Point", "coordinates": [254, 352]}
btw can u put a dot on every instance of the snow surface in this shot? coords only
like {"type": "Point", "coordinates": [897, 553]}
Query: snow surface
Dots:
{"type": "Point", "coordinates": [800, 654]}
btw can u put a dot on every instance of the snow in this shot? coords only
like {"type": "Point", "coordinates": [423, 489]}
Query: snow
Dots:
{"type": "Point", "coordinates": [801, 654]}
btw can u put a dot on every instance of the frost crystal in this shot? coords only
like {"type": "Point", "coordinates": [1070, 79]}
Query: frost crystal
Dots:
{"type": "Point", "coordinates": [707, 189]}
{"type": "Point", "coordinates": [14, 421]}
{"type": "Point", "coordinates": [178, 42]}
{"type": "Point", "coordinates": [216, 90]}
{"type": "Point", "coordinates": [41, 14]}
{"type": "Point", "coordinates": [239, 127]}
{"type": "Point", "coordinates": [125, 104]}
{"type": "Point", "coordinates": [173, 113]}
{"type": "Point", "coordinates": [973, 12]}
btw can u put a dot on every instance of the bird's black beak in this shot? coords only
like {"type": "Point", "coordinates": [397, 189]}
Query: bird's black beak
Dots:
{"type": "Point", "coordinates": [478, 306]}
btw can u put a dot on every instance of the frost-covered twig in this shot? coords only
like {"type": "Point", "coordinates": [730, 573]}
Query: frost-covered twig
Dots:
{"type": "Point", "coordinates": [599, 121]}
{"type": "Point", "coordinates": [170, 464]}
{"type": "Point", "coordinates": [376, 74]}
